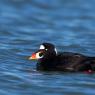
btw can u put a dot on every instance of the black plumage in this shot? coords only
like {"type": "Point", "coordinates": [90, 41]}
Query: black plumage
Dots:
{"type": "Point", "coordinates": [50, 60]}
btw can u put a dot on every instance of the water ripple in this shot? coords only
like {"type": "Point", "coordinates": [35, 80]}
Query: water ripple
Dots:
{"type": "Point", "coordinates": [24, 25]}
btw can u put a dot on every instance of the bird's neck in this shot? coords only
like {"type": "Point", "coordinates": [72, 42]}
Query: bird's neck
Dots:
{"type": "Point", "coordinates": [46, 64]}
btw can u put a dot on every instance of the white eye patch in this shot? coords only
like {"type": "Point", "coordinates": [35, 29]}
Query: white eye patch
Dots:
{"type": "Point", "coordinates": [42, 47]}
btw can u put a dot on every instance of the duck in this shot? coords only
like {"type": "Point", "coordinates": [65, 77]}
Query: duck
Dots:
{"type": "Point", "coordinates": [49, 59]}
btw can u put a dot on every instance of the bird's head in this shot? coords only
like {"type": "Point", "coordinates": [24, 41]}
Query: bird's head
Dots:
{"type": "Point", "coordinates": [46, 51]}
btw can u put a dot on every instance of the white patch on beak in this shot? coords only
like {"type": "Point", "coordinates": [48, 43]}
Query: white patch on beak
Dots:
{"type": "Point", "coordinates": [39, 56]}
{"type": "Point", "coordinates": [55, 50]}
{"type": "Point", "coordinates": [42, 47]}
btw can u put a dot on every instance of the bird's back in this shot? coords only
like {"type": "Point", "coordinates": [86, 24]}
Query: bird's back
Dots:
{"type": "Point", "coordinates": [69, 61]}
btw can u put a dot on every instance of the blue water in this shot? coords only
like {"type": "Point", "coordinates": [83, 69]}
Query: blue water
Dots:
{"type": "Point", "coordinates": [24, 25]}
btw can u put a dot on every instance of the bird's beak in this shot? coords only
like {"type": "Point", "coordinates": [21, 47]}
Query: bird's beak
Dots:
{"type": "Point", "coordinates": [33, 56]}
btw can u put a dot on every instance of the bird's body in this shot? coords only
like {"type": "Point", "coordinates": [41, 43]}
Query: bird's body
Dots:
{"type": "Point", "coordinates": [67, 62]}
{"type": "Point", "coordinates": [50, 60]}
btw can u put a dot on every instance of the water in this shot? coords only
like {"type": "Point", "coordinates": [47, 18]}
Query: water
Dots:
{"type": "Point", "coordinates": [24, 25]}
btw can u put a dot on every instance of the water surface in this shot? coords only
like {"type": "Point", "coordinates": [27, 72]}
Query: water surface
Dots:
{"type": "Point", "coordinates": [24, 25]}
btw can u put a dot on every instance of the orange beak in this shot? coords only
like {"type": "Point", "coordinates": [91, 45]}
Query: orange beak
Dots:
{"type": "Point", "coordinates": [33, 56]}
